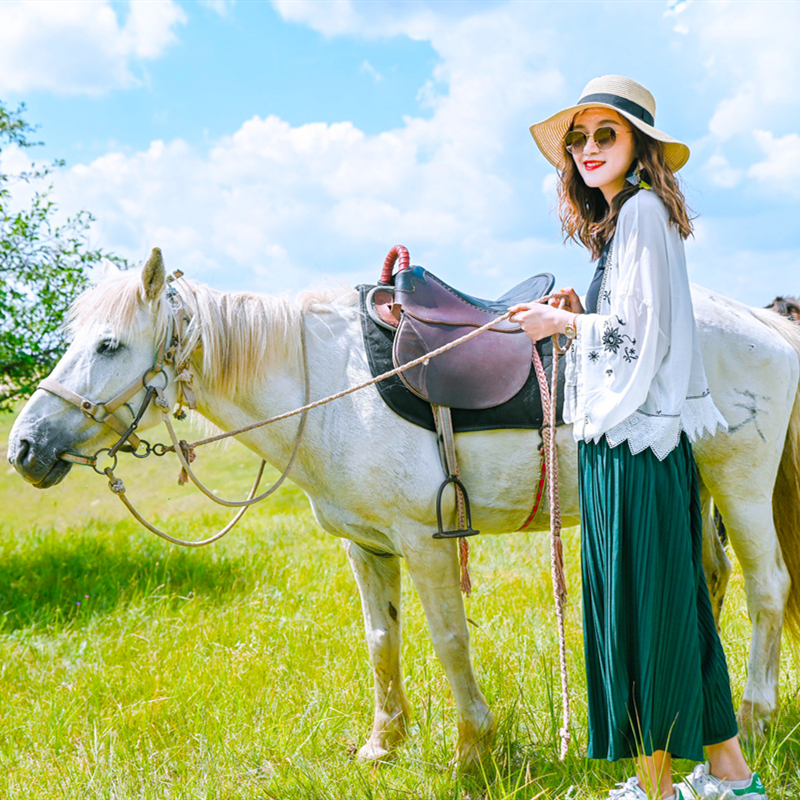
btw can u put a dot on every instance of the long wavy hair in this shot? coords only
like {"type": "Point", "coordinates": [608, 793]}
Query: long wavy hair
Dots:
{"type": "Point", "coordinates": [585, 215]}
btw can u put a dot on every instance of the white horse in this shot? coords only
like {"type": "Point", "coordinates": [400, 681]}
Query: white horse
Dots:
{"type": "Point", "coordinates": [371, 477]}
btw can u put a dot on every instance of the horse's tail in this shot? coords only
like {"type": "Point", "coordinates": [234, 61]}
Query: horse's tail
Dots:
{"type": "Point", "coordinates": [786, 494]}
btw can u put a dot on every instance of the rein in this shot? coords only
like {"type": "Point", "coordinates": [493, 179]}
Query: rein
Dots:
{"type": "Point", "coordinates": [105, 414]}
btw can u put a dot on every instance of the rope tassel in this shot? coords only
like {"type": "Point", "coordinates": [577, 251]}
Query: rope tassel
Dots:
{"type": "Point", "coordinates": [463, 555]}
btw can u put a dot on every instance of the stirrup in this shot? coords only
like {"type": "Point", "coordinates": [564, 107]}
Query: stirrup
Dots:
{"type": "Point", "coordinates": [469, 530]}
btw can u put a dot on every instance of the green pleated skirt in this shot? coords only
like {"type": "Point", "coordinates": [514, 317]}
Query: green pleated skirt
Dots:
{"type": "Point", "coordinates": [655, 668]}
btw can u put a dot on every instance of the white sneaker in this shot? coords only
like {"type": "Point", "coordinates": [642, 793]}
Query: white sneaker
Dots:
{"type": "Point", "coordinates": [630, 790]}
{"type": "Point", "coordinates": [702, 784]}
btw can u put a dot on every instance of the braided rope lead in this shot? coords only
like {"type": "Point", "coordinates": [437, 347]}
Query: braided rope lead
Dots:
{"type": "Point", "coordinates": [556, 547]}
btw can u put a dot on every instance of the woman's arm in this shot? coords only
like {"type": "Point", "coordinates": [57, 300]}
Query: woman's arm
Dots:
{"type": "Point", "coordinates": [616, 356]}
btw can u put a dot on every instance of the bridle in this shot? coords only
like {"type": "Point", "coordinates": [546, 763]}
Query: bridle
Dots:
{"type": "Point", "coordinates": [107, 413]}
{"type": "Point", "coordinates": [155, 392]}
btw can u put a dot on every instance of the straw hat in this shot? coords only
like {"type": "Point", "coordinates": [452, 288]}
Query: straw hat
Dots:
{"type": "Point", "coordinates": [628, 98]}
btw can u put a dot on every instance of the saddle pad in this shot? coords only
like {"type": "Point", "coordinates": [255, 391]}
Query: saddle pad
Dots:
{"type": "Point", "coordinates": [524, 410]}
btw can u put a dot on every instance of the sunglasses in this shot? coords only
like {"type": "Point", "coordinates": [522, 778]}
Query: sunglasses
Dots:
{"type": "Point", "coordinates": [604, 138]}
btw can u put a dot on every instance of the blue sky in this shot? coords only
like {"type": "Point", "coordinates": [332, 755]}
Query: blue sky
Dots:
{"type": "Point", "coordinates": [277, 145]}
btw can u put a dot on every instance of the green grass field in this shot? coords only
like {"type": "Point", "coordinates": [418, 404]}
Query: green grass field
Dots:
{"type": "Point", "coordinates": [130, 668]}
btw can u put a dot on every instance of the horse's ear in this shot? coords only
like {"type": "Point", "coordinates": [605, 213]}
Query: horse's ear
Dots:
{"type": "Point", "coordinates": [101, 270]}
{"type": "Point", "coordinates": [153, 275]}
{"type": "Point", "coordinates": [108, 268]}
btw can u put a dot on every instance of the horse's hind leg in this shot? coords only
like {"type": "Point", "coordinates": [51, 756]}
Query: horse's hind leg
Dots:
{"type": "Point", "coordinates": [378, 579]}
{"type": "Point", "coordinates": [755, 542]}
{"type": "Point", "coordinates": [434, 568]}
{"type": "Point", "coordinates": [716, 564]}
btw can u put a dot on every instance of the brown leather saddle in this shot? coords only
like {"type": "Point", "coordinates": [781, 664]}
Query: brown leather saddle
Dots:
{"type": "Point", "coordinates": [424, 313]}
{"type": "Point", "coordinates": [485, 371]}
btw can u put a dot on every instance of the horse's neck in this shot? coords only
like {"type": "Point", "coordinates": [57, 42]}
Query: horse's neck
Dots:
{"type": "Point", "coordinates": [329, 338]}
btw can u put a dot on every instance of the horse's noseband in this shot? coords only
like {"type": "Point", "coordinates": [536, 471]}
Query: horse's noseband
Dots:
{"type": "Point", "coordinates": [106, 413]}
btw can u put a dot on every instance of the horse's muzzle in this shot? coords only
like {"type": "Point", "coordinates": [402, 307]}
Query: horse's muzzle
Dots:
{"type": "Point", "coordinates": [39, 465]}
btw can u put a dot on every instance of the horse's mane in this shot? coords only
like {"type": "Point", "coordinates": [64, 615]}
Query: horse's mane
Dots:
{"type": "Point", "coordinates": [239, 333]}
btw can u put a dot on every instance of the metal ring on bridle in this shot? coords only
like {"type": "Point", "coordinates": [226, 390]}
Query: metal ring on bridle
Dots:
{"type": "Point", "coordinates": [147, 449]}
{"type": "Point", "coordinates": [147, 381]}
{"type": "Point", "coordinates": [102, 470]}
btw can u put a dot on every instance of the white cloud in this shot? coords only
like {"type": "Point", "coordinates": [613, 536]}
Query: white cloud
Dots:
{"type": "Point", "coordinates": [550, 185]}
{"type": "Point", "coordinates": [720, 257]}
{"type": "Point", "coordinates": [221, 7]}
{"type": "Point", "coordinates": [286, 203]}
{"type": "Point", "coordinates": [370, 70]}
{"type": "Point", "coordinates": [721, 173]}
{"type": "Point", "coordinates": [331, 17]}
{"type": "Point", "coordinates": [412, 18]}
{"type": "Point", "coordinates": [71, 47]}
{"type": "Point", "coordinates": [737, 114]}
{"type": "Point", "coordinates": [751, 48]}
{"type": "Point", "coordinates": [781, 167]}
{"type": "Point", "coordinates": [676, 7]}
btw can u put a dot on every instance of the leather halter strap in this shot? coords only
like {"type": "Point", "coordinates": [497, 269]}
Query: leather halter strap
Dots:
{"type": "Point", "coordinates": [105, 413]}
{"type": "Point", "coordinates": [99, 412]}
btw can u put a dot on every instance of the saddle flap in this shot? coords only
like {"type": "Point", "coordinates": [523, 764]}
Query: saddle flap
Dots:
{"type": "Point", "coordinates": [483, 372]}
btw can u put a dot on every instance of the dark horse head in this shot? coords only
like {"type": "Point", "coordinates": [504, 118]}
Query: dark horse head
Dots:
{"type": "Point", "coordinates": [787, 307]}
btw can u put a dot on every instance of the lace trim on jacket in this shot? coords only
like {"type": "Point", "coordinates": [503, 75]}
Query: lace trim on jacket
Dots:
{"type": "Point", "coordinates": [699, 417]}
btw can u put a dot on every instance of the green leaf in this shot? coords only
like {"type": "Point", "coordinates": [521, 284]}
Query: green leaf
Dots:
{"type": "Point", "coordinates": [43, 268]}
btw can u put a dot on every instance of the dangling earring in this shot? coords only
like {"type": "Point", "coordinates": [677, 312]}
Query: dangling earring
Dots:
{"type": "Point", "coordinates": [634, 177]}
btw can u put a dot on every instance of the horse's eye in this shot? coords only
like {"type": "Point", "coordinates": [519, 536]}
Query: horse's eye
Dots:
{"type": "Point", "coordinates": [108, 346]}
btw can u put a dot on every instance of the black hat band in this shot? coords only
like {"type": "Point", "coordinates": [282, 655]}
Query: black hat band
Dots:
{"type": "Point", "coordinates": [622, 103]}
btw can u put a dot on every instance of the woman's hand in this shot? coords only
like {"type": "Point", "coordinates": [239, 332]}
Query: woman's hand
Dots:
{"type": "Point", "coordinates": [575, 305]}
{"type": "Point", "coordinates": [539, 320]}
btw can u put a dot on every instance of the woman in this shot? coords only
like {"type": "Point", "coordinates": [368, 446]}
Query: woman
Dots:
{"type": "Point", "coordinates": [636, 395]}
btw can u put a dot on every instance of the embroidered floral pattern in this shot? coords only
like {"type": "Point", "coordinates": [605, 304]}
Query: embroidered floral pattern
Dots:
{"type": "Point", "coordinates": [593, 356]}
{"type": "Point", "coordinates": [613, 339]}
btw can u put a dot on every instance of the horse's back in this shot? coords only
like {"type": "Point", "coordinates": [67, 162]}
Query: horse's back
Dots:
{"type": "Point", "coordinates": [753, 375]}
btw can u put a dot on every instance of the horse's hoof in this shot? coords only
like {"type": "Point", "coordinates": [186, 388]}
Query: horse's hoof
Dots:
{"type": "Point", "coordinates": [473, 742]}
{"type": "Point", "coordinates": [373, 752]}
{"type": "Point", "coordinates": [753, 719]}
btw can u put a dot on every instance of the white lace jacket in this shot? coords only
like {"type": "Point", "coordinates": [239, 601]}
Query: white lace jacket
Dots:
{"type": "Point", "coordinates": [634, 371]}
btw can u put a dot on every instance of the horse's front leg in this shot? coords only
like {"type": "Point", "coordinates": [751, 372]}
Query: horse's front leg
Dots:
{"type": "Point", "coordinates": [378, 580]}
{"type": "Point", "coordinates": [434, 568]}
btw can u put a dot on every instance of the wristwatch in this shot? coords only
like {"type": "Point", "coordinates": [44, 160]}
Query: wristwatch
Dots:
{"type": "Point", "coordinates": [570, 330]}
